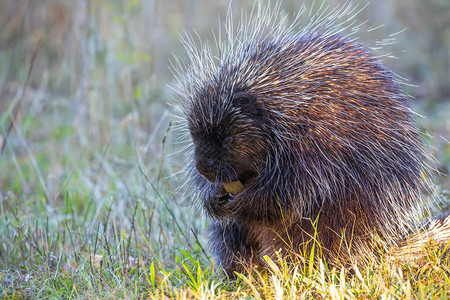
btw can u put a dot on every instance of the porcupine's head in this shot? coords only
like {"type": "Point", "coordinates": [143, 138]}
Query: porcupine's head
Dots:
{"type": "Point", "coordinates": [228, 133]}
{"type": "Point", "coordinates": [314, 117]}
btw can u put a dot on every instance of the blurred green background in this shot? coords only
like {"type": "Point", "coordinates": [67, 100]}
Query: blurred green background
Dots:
{"type": "Point", "coordinates": [100, 72]}
{"type": "Point", "coordinates": [85, 114]}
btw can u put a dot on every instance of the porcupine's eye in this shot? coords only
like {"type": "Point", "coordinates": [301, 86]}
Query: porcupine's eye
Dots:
{"type": "Point", "coordinates": [227, 141]}
{"type": "Point", "coordinates": [244, 100]}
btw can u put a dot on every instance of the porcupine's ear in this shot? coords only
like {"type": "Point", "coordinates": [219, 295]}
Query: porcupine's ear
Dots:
{"type": "Point", "coordinates": [248, 104]}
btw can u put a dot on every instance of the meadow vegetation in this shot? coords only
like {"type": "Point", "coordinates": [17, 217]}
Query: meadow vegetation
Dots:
{"type": "Point", "coordinates": [90, 204]}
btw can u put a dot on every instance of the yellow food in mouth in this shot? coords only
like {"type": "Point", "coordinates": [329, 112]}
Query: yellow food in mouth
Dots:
{"type": "Point", "coordinates": [233, 187]}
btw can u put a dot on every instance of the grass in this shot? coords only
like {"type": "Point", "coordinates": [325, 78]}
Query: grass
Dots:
{"type": "Point", "coordinates": [89, 204]}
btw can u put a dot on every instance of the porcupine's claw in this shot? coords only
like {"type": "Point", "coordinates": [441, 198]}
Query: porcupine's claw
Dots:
{"type": "Point", "coordinates": [219, 205]}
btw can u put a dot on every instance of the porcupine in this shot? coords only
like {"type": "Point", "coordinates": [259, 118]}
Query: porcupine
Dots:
{"type": "Point", "coordinates": [300, 136]}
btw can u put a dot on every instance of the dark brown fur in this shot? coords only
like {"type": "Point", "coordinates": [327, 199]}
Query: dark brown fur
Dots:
{"type": "Point", "coordinates": [321, 135]}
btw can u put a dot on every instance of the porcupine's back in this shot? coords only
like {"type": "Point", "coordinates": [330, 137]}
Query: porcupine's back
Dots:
{"type": "Point", "coordinates": [332, 130]}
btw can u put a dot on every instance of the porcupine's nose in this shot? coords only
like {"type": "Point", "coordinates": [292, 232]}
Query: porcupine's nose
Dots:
{"type": "Point", "coordinates": [207, 168]}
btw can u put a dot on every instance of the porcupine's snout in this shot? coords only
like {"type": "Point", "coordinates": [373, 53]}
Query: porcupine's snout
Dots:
{"type": "Point", "coordinates": [207, 168]}
{"type": "Point", "coordinates": [208, 159]}
{"type": "Point", "coordinates": [217, 167]}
